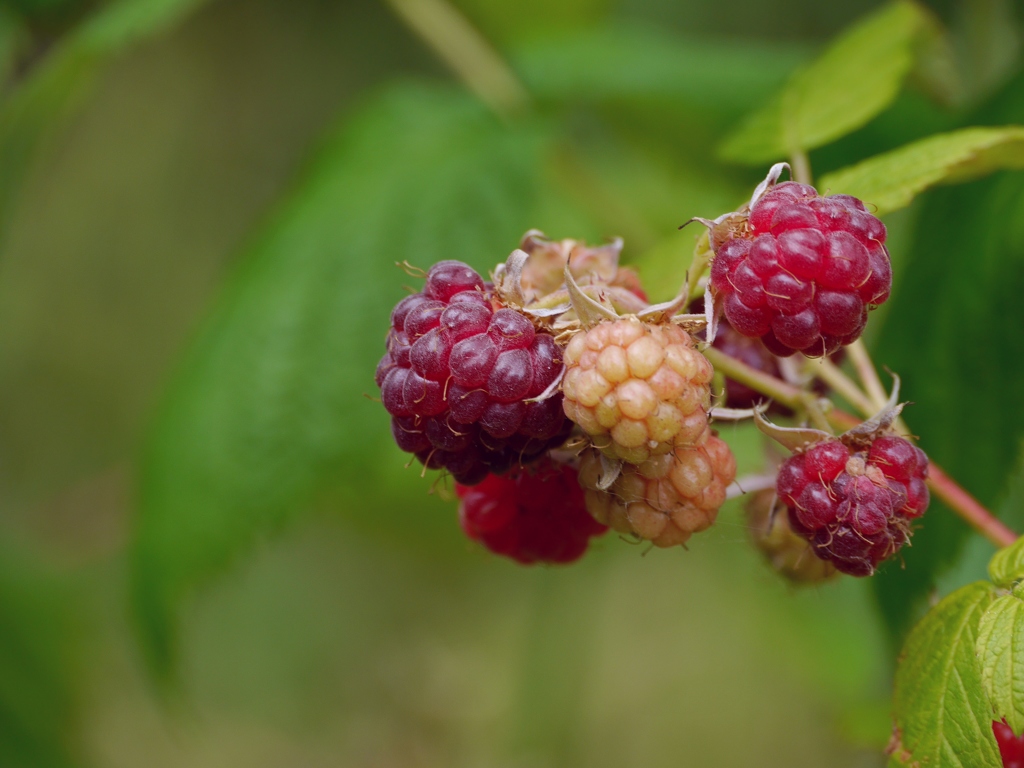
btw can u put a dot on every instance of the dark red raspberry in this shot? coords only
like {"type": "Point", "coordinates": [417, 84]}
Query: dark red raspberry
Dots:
{"type": "Point", "coordinates": [459, 376]}
{"type": "Point", "coordinates": [803, 272]}
{"type": "Point", "coordinates": [855, 504]}
{"type": "Point", "coordinates": [1011, 747]}
{"type": "Point", "coordinates": [533, 515]}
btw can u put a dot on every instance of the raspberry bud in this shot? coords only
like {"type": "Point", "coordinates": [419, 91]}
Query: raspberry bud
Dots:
{"type": "Point", "coordinates": [532, 515]}
{"type": "Point", "coordinates": [786, 552]}
{"type": "Point", "coordinates": [460, 379]}
{"type": "Point", "coordinates": [637, 389]}
{"type": "Point", "coordinates": [802, 270]}
{"type": "Point", "coordinates": [667, 498]}
{"type": "Point", "coordinates": [854, 503]}
{"type": "Point", "coordinates": [1011, 746]}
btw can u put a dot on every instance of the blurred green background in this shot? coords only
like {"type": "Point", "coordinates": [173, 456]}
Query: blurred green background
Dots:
{"type": "Point", "coordinates": [210, 553]}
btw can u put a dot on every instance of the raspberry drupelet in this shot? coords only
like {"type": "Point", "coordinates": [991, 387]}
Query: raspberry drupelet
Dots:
{"type": "Point", "coordinates": [855, 503]}
{"type": "Point", "coordinates": [462, 375]}
{"type": "Point", "coordinates": [800, 271]}
{"type": "Point", "coordinates": [531, 514]}
{"type": "Point", "coordinates": [637, 389]}
{"type": "Point", "coordinates": [667, 498]}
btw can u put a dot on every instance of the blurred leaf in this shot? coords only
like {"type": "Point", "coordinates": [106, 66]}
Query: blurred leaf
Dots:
{"type": "Point", "coordinates": [1000, 650]}
{"type": "Point", "coordinates": [1007, 565]}
{"type": "Point", "coordinates": [37, 706]}
{"type": "Point", "coordinates": [939, 705]}
{"type": "Point", "coordinates": [891, 181]}
{"type": "Point", "coordinates": [629, 62]}
{"type": "Point", "coordinates": [986, 36]}
{"type": "Point", "coordinates": [270, 402]}
{"type": "Point", "coordinates": [855, 79]}
{"type": "Point", "coordinates": [11, 37]}
{"type": "Point", "coordinates": [37, 104]}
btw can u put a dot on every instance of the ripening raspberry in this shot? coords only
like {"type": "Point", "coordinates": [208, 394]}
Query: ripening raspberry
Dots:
{"type": "Point", "coordinates": [801, 271]}
{"type": "Point", "coordinates": [1011, 746]}
{"type": "Point", "coordinates": [637, 389]}
{"type": "Point", "coordinates": [788, 554]}
{"type": "Point", "coordinates": [667, 498]}
{"type": "Point", "coordinates": [460, 379]}
{"type": "Point", "coordinates": [531, 514]}
{"type": "Point", "coordinates": [855, 503]}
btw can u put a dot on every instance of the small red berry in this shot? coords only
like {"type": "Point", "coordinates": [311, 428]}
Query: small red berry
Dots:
{"type": "Point", "coordinates": [803, 272]}
{"type": "Point", "coordinates": [460, 379]}
{"type": "Point", "coordinates": [1011, 746]}
{"type": "Point", "coordinates": [855, 504]}
{"type": "Point", "coordinates": [532, 515]}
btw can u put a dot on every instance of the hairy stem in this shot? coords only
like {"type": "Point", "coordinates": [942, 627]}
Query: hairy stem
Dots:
{"type": "Point", "coordinates": [866, 372]}
{"type": "Point", "coordinates": [941, 484]}
{"type": "Point", "coordinates": [830, 373]}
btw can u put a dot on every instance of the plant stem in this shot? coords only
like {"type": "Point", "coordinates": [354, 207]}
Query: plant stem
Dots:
{"type": "Point", "coordinates": [801, 166]}
{"type": "Point", "coordinates": [829, 373]}
{"type": "Point", "coordinates": [944, 487]}
{"type": "Point", "coordinates": [767, 385]}
{"type": "Point", "coordinates": [469, 55]}
{"type": "Point", "coordinates": [866, 372]}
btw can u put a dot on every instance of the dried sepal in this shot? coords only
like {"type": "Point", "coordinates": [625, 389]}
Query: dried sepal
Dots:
{"type": "Point", "coordinates": [719, 413]}
{"type": "Point", "coordinates": [588, 311]}
{"type": "Point", "coordinates": [769, 181]}
{"type": "Point", "coordinates": [660, 313]}
{"type": "Point", "coordinates": [508, 278]}
{"type": "Point", "coordinates": [795, 439]}
{"type": "Point", "coordinates": [610, 471]}
{"type": "Point", "coordinates": [881, 422]}
{"type": "Point", "coordinates": [712, 314]}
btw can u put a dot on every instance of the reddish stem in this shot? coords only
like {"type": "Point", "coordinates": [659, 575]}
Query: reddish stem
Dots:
{"type": "Point", "coordinates": [969, 508]}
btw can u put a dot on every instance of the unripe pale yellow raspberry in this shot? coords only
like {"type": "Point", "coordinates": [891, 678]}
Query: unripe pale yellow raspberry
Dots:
{"type": "Point", "coordinates": [787, 553]}
{"type": "Point", "coordinates": [665, 499]}
{"type": "Point", "coordinates": [637, 389]}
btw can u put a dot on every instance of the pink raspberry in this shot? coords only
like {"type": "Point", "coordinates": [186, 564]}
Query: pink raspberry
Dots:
{"type": "Point", "coordinates": [854, 504]}
{"type": "Point", "coordinates": [460, 379]}
{"type": "Point", "coordinates": [1011, 746]}
{"type": "Point", "coordinates": [532, 515]}
{"type": "Point", "coordinates": [803, 270]}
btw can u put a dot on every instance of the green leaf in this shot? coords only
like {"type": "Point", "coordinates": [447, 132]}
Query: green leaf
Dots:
{"type": "Point", "coordinates": [37, 666]}
{"type": "Point", "coordinates": [939, 707]}
{"type": "Point", "coordinates": [1000, 650]}
{"type": "Point", "coordinates": [65, 75]}
{"type": "Point", "coordinates": [270, 404]}
{"type": "Point", "coordinates": [856, 78]}
{"type": "Point", "coordinates": [891, 181]}
{"type": "Point", "coordinates": [1007, 565]}
{"type": "Point", "coordinates": [632, 62]}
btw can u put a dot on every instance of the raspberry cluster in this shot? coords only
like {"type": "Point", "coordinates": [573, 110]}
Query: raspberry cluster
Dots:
{"type": "Point", "coordinates": [637, 389]}
{"type": "Point", "coordinates": [801, 271]}
{"type": "Point", "coordinates": [532, 515]}
{"type": "Point", "coordinates": [1011, 746]}
{"type": "Point", "coordinates": [855, 503]}
{"type": "Point", "coordinates": [461, 377]}
{"type": "Point", "coordinates": [665, 499]}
